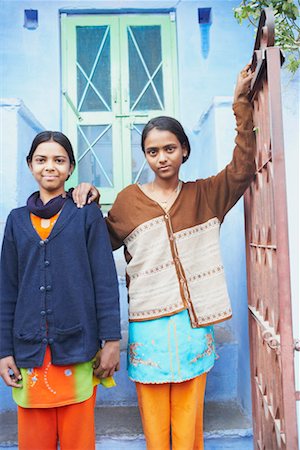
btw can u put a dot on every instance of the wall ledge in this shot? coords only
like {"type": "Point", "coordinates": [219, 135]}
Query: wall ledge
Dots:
{"type": "Point", "coordinates": [17, 104]}
{"type": "Point", "coordinates": [217, 102]}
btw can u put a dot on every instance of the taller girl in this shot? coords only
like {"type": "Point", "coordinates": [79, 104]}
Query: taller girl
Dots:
{"type": "Point", "coordinates": [176, 281]}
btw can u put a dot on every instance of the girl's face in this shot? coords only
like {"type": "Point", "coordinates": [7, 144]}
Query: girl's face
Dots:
{"type": "Point", "coordinates": [164, 153]}
{"type": "Point", "coordinates": [51, 167]}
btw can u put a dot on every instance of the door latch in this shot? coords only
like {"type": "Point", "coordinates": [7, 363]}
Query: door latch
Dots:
{"type": "Point", "coordinates": [72, 106]}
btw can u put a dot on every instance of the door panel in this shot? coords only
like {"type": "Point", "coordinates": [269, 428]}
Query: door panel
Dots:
{"type": "Point", "coordinates": [149, 83]}
{"type": "Point", "coordinates": [140, 171]}
{"type": "Point", "coordinates": [94, 154]}
{"type": "Point", "coordinates": [270, 322]}
{"type": "Point", "coordinates": [145, 68]}
{"type": "Point", "coordinates": [93, 68]}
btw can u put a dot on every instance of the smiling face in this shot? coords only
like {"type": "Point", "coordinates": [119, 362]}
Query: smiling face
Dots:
{"type": "Point", "coordinates": [164, 153]}
{"type": "Point", "coordinates": [50, 166]}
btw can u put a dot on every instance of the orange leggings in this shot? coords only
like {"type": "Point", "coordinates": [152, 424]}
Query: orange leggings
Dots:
{"type": "Point", "coordinates": [72, 425]}
{"type": "Point", "coordinates": [173, 409]}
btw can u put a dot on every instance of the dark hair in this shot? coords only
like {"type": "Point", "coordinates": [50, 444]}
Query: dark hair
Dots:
{"type": "Point", "coordinates": [51, 136]}
{"type": "Point", "coordinates": [166, 123]}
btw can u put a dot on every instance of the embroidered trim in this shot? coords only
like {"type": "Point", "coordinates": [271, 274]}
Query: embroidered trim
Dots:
{"type": "Point", "coordinates": [135, 361]}
{"type": "Point", "coordinates": [209, 350]}
{"type": "Point", "coordinates": [211, 318]}
{"type": "Point", "coordinates": [169, 380]}
{"type": "Point", "coordinates": [209, 273]}
{"type": "Point", "coordinates": [46, 379]}
{"type": "Point", "coordinates": [144, 227]}
{"type": "Point", "coordinates": [32, 377]}
{"type": "Point", "coordinates": [155, 312]}
{"type": "Point", "coordinates": [212, 223]}
{"type": "Point", "coordinates": [156, 269]}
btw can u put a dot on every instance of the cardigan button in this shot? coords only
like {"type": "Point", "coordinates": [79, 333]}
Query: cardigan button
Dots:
{"type": "Point", "coordinates": [47, 263]}
{"type": "Point", "coordinates": [45, 341]}
{"type": "Point", "coordinates": [46, 241]}
{"type": "Point", "coordinates": [49, 311]}
{"type": "Point", "coordinates": [49, 287]}
{"type": "Point", "coordinates": [42, 243]}
{"type": "Point", "coordinates": [50, 341]}
{"type": "Point", "coordinates": [43, 313]}
{"type": "Point", "coordinates": [42, 288]}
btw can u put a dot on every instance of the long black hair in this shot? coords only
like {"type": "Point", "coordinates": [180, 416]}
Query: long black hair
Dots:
{"type": "Point", "coordinates": [166, 123]}
{"type": "Point", "coordinates": [51, 136]}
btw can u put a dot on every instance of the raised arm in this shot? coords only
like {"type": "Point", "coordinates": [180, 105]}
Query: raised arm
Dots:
{"type": "Point", "coordinates": [224, 189]}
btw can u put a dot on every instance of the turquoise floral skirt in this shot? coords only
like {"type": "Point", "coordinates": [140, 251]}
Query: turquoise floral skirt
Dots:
{"type": "Point", "coordinates": [169, 350]}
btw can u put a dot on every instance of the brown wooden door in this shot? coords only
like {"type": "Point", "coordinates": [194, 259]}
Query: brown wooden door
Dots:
{"type": "Point", "coordinates": [270, 323]}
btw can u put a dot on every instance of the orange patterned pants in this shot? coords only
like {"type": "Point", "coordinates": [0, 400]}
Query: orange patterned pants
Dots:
{"type": "Point", "coordinates": [173, 410]}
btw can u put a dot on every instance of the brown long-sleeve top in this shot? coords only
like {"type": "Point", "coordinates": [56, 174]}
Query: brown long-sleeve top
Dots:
{"type": "Point", "coordinates": [174, 259]}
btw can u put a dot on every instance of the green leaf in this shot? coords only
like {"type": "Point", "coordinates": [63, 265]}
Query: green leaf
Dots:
{"type": "Point", "coordinates": [286, 27]}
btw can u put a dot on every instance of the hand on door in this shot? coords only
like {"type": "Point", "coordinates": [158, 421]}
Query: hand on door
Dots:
{"type": "Point", "coordinates": [243, 83]}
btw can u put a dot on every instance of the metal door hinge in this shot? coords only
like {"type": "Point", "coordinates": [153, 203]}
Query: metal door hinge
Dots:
{"type": "Point", "coordinates": [172, 15]}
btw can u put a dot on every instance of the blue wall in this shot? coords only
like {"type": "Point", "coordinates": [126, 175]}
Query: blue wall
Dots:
{"type": "Point", "coordinates": [230, 49]}
{"type": "Point", "coordinates": [32, 57]}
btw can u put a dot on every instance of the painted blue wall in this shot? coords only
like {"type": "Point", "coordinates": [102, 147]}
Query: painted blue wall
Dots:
{"type": "Point", "coordinates": [32, 57]}
{"type": "Point", "coordinates": [230, 49]}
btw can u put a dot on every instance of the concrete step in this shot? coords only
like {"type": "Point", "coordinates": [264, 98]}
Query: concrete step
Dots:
{"type": "Point", "coordinates": [119, 427]}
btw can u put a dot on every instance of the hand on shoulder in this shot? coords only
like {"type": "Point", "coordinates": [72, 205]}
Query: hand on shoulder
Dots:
{"type": "Point", "coordinates": [85, 193]}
